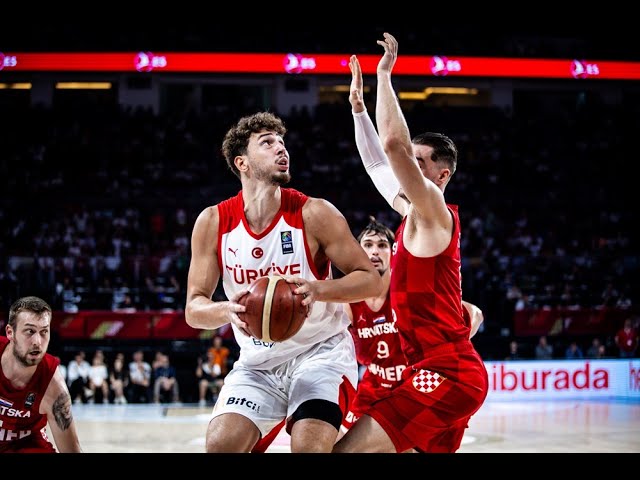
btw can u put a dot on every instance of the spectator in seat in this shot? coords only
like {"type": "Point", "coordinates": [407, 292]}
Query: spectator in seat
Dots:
{"type": "Point", "coordinates": [544, 351]}
{"type": "Point", "coordinates": [514, 351]}
{"type": "Point", "coordinates": [627, 340]}
{"type": "Point", "coordinates": [140, 378]}
{"type": "Point", "coordinates": [119, 380]}
{"type": "Point", "coordinates": [98, 379]}
{"type": "Point", "coordinates": [594, 351]}
{"type": "Point", "coordinates": [209, 377]}
{"type": "Point", "coordinates": [165, 384]}
{"type": "Point", "coordinates": [78, 378]}
{"type": "Point", "coordinates": [573, 352]}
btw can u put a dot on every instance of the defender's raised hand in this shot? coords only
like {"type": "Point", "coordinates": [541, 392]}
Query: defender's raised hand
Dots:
{"type": "Point", "coordinates": [388, 60]}
{"type": "Point", "coordinates": [356, 90]}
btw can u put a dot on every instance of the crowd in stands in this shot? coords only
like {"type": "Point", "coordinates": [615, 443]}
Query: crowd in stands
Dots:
{"type": "Point", "coordinates": [144, 377]}
{"type": "Point", "coordinates": [624, 344]}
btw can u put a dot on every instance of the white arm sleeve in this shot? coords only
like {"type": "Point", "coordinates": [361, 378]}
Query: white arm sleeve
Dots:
{"type": "Point", "coordinates": [373, 157]}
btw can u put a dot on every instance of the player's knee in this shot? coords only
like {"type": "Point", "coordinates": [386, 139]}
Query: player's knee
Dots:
{"type": "Point", "coordinates": [320, 410]}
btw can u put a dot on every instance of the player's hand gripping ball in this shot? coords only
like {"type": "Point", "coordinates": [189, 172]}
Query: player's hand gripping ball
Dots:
{"type": "Point", "coordinates": [273, 312]}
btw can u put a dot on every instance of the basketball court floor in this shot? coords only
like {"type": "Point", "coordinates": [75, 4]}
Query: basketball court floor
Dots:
{"type": "Point", "coordinates": [499, 427]}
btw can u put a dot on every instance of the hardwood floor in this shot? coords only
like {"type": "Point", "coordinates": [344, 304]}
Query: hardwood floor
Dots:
{"type": "Point", "coordinates": [499, 427]}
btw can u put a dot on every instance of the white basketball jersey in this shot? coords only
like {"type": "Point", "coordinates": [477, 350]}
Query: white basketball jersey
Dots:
{"type": "Point", "coordinates": [282, 249]}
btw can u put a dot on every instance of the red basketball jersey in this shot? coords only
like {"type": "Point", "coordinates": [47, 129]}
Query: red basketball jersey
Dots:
{"type": "Point", "coordinates": [445, 381]}
{"type": "Point", "coordinates": [378, 348]}
{"type": "Point", "coordinates": [377, 345]}
{"type": "Point", "coordinates": [426, 295]}
{"type": "Point", "coordinates": [22, 428]}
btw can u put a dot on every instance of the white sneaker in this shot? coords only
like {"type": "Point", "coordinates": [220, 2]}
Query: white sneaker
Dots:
{"type": "Point", "coordinates": [202, 403]}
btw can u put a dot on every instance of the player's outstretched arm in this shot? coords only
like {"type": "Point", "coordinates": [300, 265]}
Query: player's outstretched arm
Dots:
{"type": "Point", "coordinates": [424, 195]}
{"type": "Point", "coordinates": [370, 149]}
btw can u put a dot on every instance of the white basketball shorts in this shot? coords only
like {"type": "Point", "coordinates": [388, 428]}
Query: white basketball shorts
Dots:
{"type": "Point", "coordinates": [267, 397]}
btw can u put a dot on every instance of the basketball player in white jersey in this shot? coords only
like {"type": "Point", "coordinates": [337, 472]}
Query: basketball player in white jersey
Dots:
{"type": "Point", "coordinates": [268, 229]}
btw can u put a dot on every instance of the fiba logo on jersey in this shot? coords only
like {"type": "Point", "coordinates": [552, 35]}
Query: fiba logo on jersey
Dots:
{"type": "Point", "coordinates": [286, 240]}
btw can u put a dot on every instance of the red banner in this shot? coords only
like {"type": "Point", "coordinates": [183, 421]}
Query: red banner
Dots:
{"type": "Point", "coordinates": [317, 64]}
{"type": "Point", "coordinates": [137, 325]}
{"type": "Point", "coordinates": [173, 326]}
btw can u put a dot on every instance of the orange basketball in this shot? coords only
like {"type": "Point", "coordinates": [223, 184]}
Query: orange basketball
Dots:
{"type": "Point", "coordinates": [274, 313]}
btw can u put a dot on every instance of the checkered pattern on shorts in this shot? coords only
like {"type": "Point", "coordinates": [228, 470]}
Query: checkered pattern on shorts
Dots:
{"type": "Point", "coordinates": [426, 381]}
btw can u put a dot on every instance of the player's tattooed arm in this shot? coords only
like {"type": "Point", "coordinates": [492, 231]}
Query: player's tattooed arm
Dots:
{"type": "Point", "coordinates": [62, 411]}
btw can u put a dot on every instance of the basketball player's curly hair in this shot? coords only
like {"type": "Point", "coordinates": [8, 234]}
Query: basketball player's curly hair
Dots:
{"type": "Point", "coordinates": [380, 229]}
{"type": "Point", "coordinates": [236, 140]}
